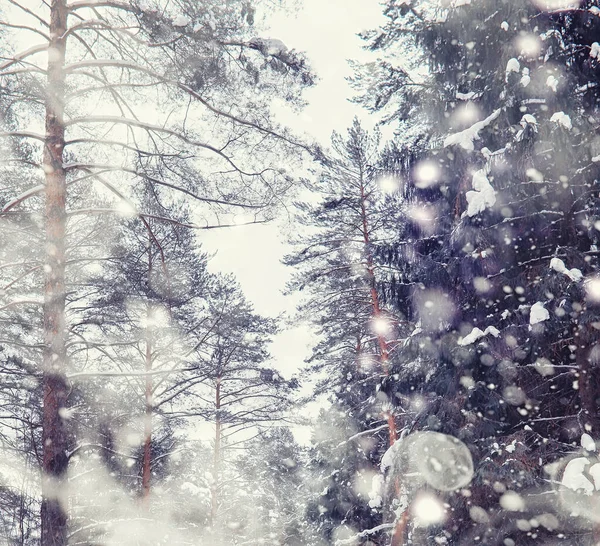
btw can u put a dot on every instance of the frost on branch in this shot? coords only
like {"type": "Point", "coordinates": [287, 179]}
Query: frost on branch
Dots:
{"type": "Point", "coordinates": [270, 46]}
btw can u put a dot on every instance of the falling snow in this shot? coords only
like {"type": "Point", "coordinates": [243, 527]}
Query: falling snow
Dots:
{"type": "Point", "coordinates": [254, 294]}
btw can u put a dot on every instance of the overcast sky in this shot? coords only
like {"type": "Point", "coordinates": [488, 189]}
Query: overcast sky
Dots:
{"type": "Point", "coordinates": [326, 31]}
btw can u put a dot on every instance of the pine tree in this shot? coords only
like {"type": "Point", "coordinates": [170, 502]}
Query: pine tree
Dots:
{"type": "Point", "coordinates": [117, 55]}
{"type": "Point", "coordinates": [505, 110]}
{"type": "Point", "coordinates": [240, 394]}
{"type": "Point", "coordinates": [339, 269]}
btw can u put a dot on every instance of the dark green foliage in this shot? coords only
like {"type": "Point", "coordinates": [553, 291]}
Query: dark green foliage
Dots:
{"type": "Point", "coordinates": [493, 265]}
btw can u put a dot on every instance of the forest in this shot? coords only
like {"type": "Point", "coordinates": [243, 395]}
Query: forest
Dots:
{"type": "Point", "coordinates": [442, 251]}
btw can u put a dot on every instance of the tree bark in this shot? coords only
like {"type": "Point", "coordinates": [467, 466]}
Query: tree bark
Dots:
{"type": "Point", "coordinates": [147, 457]}
{"type": "Point", "coordinates": [382, 342]}
{"type": "Point", "coordinates": [54, 429]}
{"type": "Point", "coordinates": [217, 455]}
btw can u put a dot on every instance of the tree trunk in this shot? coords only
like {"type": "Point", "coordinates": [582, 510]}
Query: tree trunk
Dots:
{"type": "Point", "coordinates": [383, 344]}
{"type": "Point", "coordinates": [54, 430]}
{"type": "Point", "coordinates": [147, 457]}
{"type": "Point", "coordinates": [586, 339]}
{"type": "Point", "coordinates": [397, 538]}
{"type": "Point", "coordinates": [217, 456]}
{"type": "Point", "coordinates": [147, 460]}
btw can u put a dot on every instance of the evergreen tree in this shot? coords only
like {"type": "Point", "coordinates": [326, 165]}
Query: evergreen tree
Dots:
{"type": "Point", "coordinates": [505, 118]}
{"type": "Point", "coordinates": [339, 270]}
{"type": "Point", "coordinates": [117, 54]}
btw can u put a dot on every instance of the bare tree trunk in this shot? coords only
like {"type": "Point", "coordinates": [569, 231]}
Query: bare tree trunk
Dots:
{"type": "Point", "coordinates": [217, 456]}
{"type": "Point", "coordinates": [55, 392]}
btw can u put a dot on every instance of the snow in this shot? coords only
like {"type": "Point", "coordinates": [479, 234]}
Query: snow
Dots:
{"type": "Point", "coordinates": [534, 175]}
{"type": "Point", "coordinates": [573, 477]}
{"type": "Point", "coordinates": [594, 472]}
{"type": "Point", "coordinates": [595, 50]}
{"type": "Point", "coordinates": [465, 138]}
{"type": "Point", "coordinates": [467, 96]}
{"type": "Point", "coordinates": [525, 78]}
{"type": "Point", "coordinates": [559, 266]}
{"type": "Point", "coordinates": [477, 334]}
{"type": "Point", "coordinates": [380, 325]}
{"type": "Point", "coordinates": [66, 413]}
{"type": "Point", "coordinates": [528, 119]}
{"type": "Point", "coordinates": [538, 313]}
{"type": "Point", "coordinates": [22, 197]}
{"type": "Point", "coordinates": [587, 442]}
{"type": "Point", "coordinates": [181, 21]}
{"type": "Point", "coordinates": [493, 331]}
{"type": "Point", "coordinates": [377, 490]}
{"type": "Point", "coordinates": [552, 83]}
{"type": "Point", "coordinates": [512, 65]}
{"type": "Point", "coordinates": [389, 184]}
{"type": "Point", "coordinates": [418, 329]}
{"type": "Point", "coordinates": [471, 338]}
{"type": "Point", "coordinates": [562, 119]}
{"type": "Point", "coordinates": [271, 46]}
{"type": "Point", "coordinates": [549, 521]}
{"type": "Point", "coordinates": [387, 461]}
{"type": "Point", "coordinates": [513, 395]}
{"type": "Point", "coordinates": [275, 47]}
{"type": "Point", "coordinates": [194, 490]}
{"type": "Point", "coordinates": [426, 174]}
{"type": "Point", "coordinates": [479, 515]}
{"type": "Point", "coordinates": [441, 461]}
{"type": "Point", "coordinates": [428, 510]}
{"type": "Point", "coordinates": [512, 501]}
{"type": "Point", "coordinates": [482, 197]}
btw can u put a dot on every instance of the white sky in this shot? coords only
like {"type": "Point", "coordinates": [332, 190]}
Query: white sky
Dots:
{"type": "Point", "coordinates": [326, 31]}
